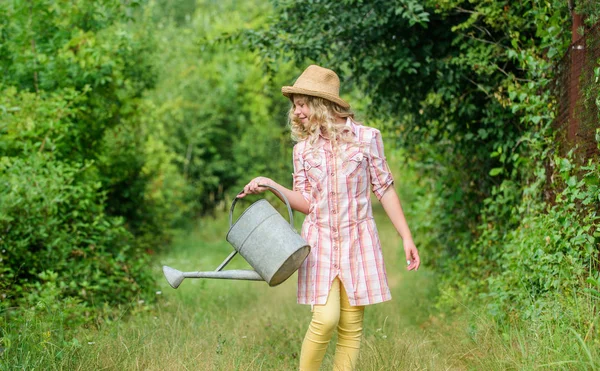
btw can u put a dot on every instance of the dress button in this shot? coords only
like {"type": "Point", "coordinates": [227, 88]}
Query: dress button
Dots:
{"type": "Point", "coordinates": [335, 266]}
{"type": "Point", "coordinates": [334, 211]}
{"type": "Point", "coordinates": [334, 229]}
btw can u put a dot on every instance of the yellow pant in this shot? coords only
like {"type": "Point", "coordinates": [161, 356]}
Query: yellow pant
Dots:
{"type": "Point", "coordinates": [336, 312]}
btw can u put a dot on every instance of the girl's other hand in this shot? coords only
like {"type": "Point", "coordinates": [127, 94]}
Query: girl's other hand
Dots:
{"type": "Point", "coordinates": [412, 255]}
{"type": "Point", "coordinates": [254, 188]}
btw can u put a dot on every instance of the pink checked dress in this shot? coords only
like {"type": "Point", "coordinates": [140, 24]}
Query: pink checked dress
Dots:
{"type": "Point", "coordinates": [339, 226]}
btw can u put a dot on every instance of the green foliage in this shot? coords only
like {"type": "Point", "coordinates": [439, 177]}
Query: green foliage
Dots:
{"type": "Point", "coordinates": [36, 122]}
{"type": "Point", "coordinates": [590, 9]}
{"type": "Point", "coordinates": [224, 119]}
{"type": "Point", "coordinates": [456, 81]}
{"type": "Point", "coordinates": [86, 47]}
{"type": "Point", "coordinates": [466, 88]}
{"type": "Point", "coordinates": [83, 200]}
{"type": "Point", "coordinates": [548, 255]}
{"type": "Point", "coordinates": [57, 237]}
{"type": "Point", "coordinates": [118, 122]}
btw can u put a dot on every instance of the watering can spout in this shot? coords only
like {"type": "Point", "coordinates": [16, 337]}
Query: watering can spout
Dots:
{"type": "Point", "coordinates": [175, 277]}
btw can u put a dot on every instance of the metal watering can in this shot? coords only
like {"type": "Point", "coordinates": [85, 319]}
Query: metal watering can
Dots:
{"type": "Point", "coordinates": [265, 239]}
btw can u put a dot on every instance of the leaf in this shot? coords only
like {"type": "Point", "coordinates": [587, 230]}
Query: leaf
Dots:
{"type": "Point", "coordinates": [496, 171]}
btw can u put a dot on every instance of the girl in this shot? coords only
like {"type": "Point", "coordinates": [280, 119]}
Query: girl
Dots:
{"type": "Point", "coordinates": [336, 159]}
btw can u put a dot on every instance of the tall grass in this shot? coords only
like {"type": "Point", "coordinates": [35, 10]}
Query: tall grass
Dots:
{"type": "Point", "coordinates": [238, 325]}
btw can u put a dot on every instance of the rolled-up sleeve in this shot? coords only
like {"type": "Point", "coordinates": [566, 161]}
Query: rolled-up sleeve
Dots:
{"type": "Point", "coordinates": [301, 183]}
{"type": "Point", "coordinates": [381, 175]}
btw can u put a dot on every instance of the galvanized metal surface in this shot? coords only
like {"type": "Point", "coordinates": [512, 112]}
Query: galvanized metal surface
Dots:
{"type": "Point", "coordinates": [175, 277]}
{"type": "Point", "coordinates": [265, 239]}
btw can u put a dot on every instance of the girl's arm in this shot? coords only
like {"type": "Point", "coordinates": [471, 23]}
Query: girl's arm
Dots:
{"type": "Point", "coordinates": [297, 201]}
{"type": "Point", "coordinates": [393, 208]}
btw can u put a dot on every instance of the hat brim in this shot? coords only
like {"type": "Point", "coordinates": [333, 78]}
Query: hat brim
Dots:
{"type": "Point", "coordinates": [290, 90]}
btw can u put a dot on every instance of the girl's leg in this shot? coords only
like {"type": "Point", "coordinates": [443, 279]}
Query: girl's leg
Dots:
{"type": "Point", "coordinates": [324, 320]}
{"type": "Point", "coordinates": [349, 334]}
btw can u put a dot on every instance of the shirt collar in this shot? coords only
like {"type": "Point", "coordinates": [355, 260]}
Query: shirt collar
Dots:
{"type": "Point", "coordinates": [350, 124]}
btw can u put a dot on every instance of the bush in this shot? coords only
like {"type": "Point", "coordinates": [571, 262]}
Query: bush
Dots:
{"type": "Point", "coordinates": [54, 229]}
{"type": "Point", "coordinates": [554, 250]}
{"type": "Point", "coordinates": [90, 188]}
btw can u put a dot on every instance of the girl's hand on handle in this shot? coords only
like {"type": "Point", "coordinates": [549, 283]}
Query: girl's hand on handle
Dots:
{"type": "Point", "coordinates": [295, 198]}
{"type": "Point", "coordinates": [412, 255]}
{"type": "Point", "coordinates": [253, 188]}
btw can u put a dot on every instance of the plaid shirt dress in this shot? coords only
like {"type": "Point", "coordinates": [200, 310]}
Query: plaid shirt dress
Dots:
{"type": "Point", "coordinates": [339, 225]}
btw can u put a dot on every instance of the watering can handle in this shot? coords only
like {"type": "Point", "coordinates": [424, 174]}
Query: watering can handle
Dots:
{"type": "Point", "coordinates": [287, 203]}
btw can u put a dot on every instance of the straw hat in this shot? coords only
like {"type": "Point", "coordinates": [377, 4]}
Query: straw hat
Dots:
{"type": "Point", "coordinates": [318, 82]}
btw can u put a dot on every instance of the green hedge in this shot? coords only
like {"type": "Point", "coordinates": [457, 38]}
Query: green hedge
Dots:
{"type": "Point", "coordinates": [119, 123]}
{"type": "Point", "coordinates": [55, 226]}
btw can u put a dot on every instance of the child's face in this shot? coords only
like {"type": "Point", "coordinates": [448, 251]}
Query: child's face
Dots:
{"type": "Point", "coordinates": [301, 109]}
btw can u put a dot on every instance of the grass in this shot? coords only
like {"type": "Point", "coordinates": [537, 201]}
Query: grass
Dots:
{"type": "Point", "coordinates": [238, 325]}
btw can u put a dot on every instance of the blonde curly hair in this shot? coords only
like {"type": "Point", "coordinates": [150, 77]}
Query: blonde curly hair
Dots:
{"type": "Point", "coordinates": [322, 121]}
